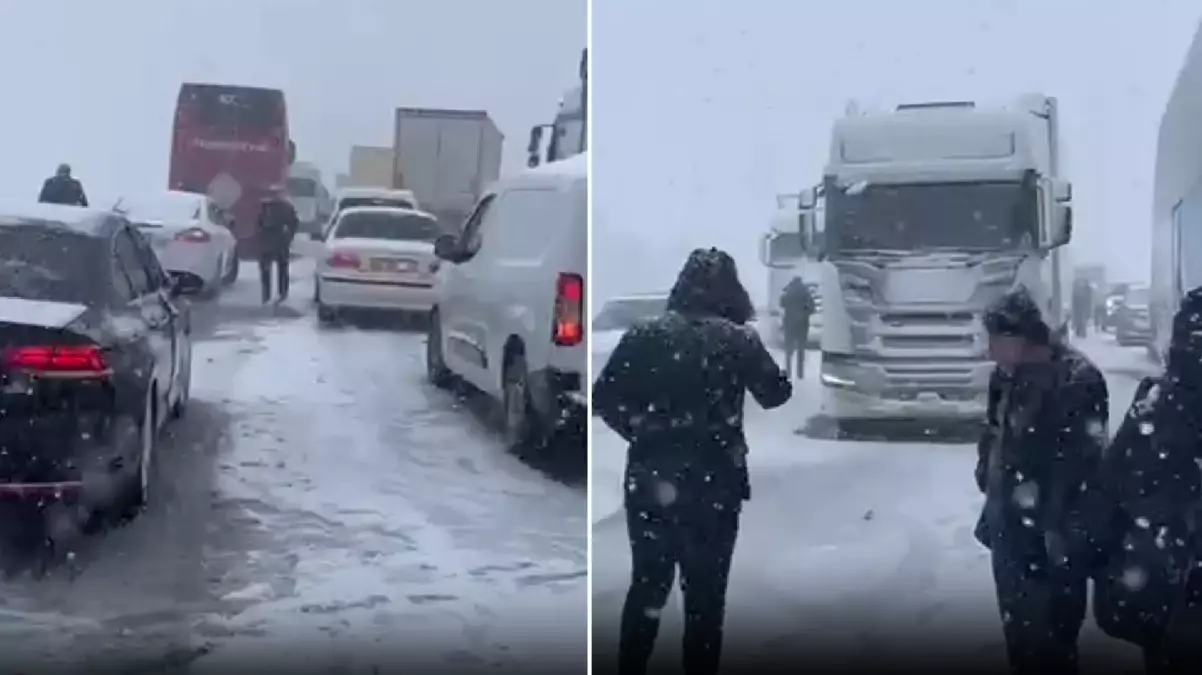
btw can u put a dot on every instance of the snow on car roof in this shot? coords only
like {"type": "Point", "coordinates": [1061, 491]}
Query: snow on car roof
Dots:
{"type": "Point", "coordinates": [76, 217]}
{"type": "Point", "coordinates": [376, 208]}
{"type": "Point", "coordinates": [169, 206]}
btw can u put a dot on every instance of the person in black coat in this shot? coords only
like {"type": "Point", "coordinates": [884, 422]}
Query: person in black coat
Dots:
{"type": "Point", "coordinates": [674, 388]}
{"type": "Point", "coordinates": [62, 188]}
{"type": "Point", "coordinates": [1038, 466]}
{"type": "Point", "coordinates": [1149, 593]}
{"type": "Point", "coordinates": [797, 305]}
{"type": "Point", "coordinates": [276, 228]}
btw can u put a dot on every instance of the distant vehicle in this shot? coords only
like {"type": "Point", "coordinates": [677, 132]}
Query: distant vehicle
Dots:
{"type": "Point", "coordinates": [790, 253]}
{"type": "Point", "coordinates": [353, 197]}
{"type": "Point", "coordinates": [377, 258]}
{"type": "Point", "coordinates": [569, 131]}
{"type": "Point", "coordinates": [509, 318]}
{"type": "Point", "coordinates": [617, 316]}
{"type": "Point", "coordinates": [370, 167]}
{"type": "Point", "coordinates": [309, 196]}
{"type": "Point", "coordinates": [1132, 325]}
{"type": "Point", "coordinates": [190, 235]}
{"type": "Point", "coordinates": [448, 158]}
{"type": "Point", "coordinates": [231, 143]}
{"type": "Point", "coordinates": [97, 357]}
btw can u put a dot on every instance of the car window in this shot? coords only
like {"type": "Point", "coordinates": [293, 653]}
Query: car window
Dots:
{"type": "Point", "coordinates": [215, 214]}
{"type": "Point", "coordinates": [126, 253]}
{"type": "Point", "coordinates": [390, 226]}
{"type": "Point", "coordinates": [44, 263]}
{"type": "Point", "coordinates": [469, 239]}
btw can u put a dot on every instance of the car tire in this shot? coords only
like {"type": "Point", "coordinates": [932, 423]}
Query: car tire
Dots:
{"type": "Point", "coordinates": [326, 315]}
{"type": "Point", "coordinates": [138, 493]}
{"type": "Point", "coordinates": [437, 372]}
{"type": "Point", "coordinates": [520, 425]}
{"type": "Point", "coordinates": [231, 275]}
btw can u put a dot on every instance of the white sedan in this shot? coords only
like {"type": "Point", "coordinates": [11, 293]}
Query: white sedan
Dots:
{"type": "Point", "coordinates": [617, 316]}
{"type": "Point", "coordinates": [189, 234]}
{"type": "Point", "coordinates": [377, 257]}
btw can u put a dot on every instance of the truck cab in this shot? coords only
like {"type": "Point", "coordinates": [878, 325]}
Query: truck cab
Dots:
{"type": "Point", "coordinates": [569, 130]}
{"type": "Point", "coordinates": [931, 212]}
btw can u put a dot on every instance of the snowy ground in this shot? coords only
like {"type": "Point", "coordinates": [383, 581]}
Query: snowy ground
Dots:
{"type": "Point", "coordinates": [321, 502]}
{"type": "Point", "coordinates": [861, 544]}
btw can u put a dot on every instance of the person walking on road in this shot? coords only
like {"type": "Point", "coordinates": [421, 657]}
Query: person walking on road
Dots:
{"type": "Point", "coordinates": [1082, 309]}
{"type": "Point", "coordinates": [797, 305]}
{"type": "Point", "coordinates": [277, 226]}
{"type": "Point", "coordinates": [1149, 591]}
{"type": "Point", "coordinates": [1038, 465]}
{"type": "Point", "coordinates": [674, 389]}
{"type": "Point", "coordinates": [63, 188]}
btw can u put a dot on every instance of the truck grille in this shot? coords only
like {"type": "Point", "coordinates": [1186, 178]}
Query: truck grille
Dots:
{"type": "Point", "coordinates": [950, 381]}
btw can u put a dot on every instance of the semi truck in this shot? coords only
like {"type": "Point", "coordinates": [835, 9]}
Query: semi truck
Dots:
{"type": "Point", "coordinates": [930, 212]}
{"type": "Point", "coordinates": [309, 196]}
{"type": "Point", "coordinates": [569, 130]}
{"type": "Point", "coordinates": [447, 158]}
{"type": "Point", "coordinates": [788, 251]}
{"type": "Point", "coordinates": [370, 166]}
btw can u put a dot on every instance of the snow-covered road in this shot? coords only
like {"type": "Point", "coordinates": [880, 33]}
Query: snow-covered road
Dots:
{"type": "Point", "coordinates": [864, 547]}
{"type": "Point", "coordinates": [322, 503]}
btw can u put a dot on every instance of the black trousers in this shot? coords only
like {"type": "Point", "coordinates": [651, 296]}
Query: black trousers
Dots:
{"type": "Point", "coordinates": [280, 261]}
{"type": "Point", "coordinates": [701, 542]}
{"type": "Point", "coordinates": [1042, 614]}
{"type": "Point", "coordinates": [795, 349]}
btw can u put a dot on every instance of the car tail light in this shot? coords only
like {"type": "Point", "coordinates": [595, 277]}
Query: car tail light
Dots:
{"type": "Point", "coordinates": [193, 235]}
{"type": "Point", "coordinates": [569, 310]}
{"type": "Point", "coordinates": [79, 361]}
{"type": "Point", "coordinates": [343, 260]}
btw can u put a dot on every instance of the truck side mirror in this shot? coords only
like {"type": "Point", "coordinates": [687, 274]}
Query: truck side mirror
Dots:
{"type": "Point", "coordinates": [536, 143]}
{"type": "Point", "coordinates": [807, 198]}
{"type": "Point", "coordinates": [765, 243]}
{"type": "Point", "coordinates": [1061, 230]}
{"type": "Point", "coordinates": [1062, 191]}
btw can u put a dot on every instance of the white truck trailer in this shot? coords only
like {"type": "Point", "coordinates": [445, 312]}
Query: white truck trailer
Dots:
{"type": "Point", "coordinates": [931, 212]}
{"type": "Point", "coordinates": [788, 251]}
{"type": "Point", "coordinates": [448, 158]}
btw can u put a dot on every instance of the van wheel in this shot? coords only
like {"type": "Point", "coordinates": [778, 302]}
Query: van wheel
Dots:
{"type": "Point", "coordinates": [436, 366]}
{"type": "Point", "coordinates": [231, 275]}
{"type": "Point", "coordinates": [519, 422]}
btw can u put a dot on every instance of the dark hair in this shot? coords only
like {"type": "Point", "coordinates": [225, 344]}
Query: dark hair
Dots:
{"type": "Point", "coordinates": [1017, 314]}
{"type": "Point", "coordinates": [708, 285]}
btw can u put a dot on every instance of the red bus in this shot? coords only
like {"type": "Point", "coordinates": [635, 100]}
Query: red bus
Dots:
{"type": "Point", "coordinates": [231, 143]}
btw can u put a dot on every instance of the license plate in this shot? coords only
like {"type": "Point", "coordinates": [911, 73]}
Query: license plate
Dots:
{"type": "Point", "coordinates": [389, 265]}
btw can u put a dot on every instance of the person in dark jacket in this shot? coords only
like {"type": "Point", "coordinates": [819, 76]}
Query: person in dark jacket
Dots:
{"type": "Point", "coordinates": [1038, 464]}
{"type": "Point", "coordinates": [63, 188]}
{"type": "Point", "coordinates": [1150, 592]}
{"type": "Point", "coordinates": [797, 305]}
{"type": "Point", "coordinates": [674, 388]}
{"type": "Point", "coordinates": [1082, 309]}
{"type": "Point", "coordinates": [277, 226]}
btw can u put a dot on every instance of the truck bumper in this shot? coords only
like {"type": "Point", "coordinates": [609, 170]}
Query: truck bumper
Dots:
{"type": "Point", "coordinates": [953, 391]}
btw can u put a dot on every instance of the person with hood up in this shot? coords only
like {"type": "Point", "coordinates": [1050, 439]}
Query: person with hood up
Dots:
{"type": "Point", "coordinates": [1038, 463]}
{"type": "Point", "coordinates": [63, 188]}
{"type": "Point", "coordinates": [673, 388]}
{"type": "Point", "coordinates": [277, 227]}
{"type": "Point", "coordinates": [1149, 592]}
{"type": "Point", "coordinates": [797, 305]}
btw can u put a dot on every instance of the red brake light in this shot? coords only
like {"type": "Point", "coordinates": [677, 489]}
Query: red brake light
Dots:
{"type": "Point", "coordinates": [193, 235]}
{"type": "Point", "coordinates": [343, 260]}
{"type": "Point", "coordinates": [84, 361]}
{"type": "Point", "coordinates": [569, 310]}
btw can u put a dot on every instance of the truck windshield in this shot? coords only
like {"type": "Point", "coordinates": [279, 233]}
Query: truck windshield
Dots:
{"type": "Point", "coordinates": [569, 139]}
{"type": "Point", "coordinates": [917, 217]}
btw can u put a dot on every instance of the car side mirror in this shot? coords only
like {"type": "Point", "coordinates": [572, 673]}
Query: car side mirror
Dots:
{"type": "Point", "coordinates": [446, 247]}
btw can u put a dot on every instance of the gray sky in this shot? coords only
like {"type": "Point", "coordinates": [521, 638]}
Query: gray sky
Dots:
{"type": "Point", "coordinates": [705, 109]}
{"type": "Point", "coordinates": [98, 89]}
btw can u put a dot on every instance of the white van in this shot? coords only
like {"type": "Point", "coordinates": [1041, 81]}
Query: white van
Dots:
{"type": "Point", "coordinates": [509, 316]}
